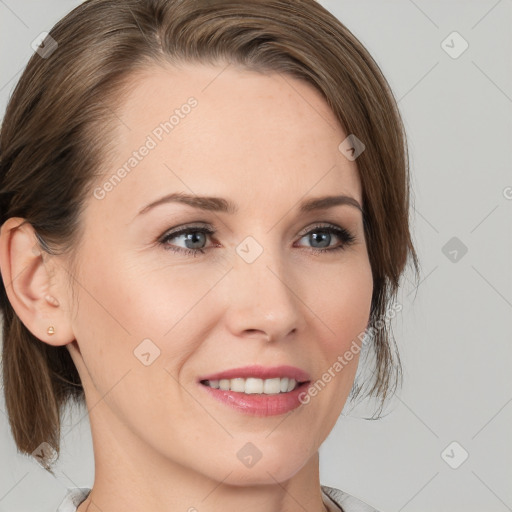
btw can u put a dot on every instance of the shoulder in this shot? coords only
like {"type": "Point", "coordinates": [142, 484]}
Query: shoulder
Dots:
{"type": "Point", "coordinates": [347, 502]}
{"type": "Point", "coordinates": [73, 498]}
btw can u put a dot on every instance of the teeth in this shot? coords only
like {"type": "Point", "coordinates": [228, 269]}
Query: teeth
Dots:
{"type": "Point", "coordinates": [252, 385]}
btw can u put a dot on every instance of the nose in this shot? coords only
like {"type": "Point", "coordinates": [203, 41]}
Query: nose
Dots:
{"type": "Point", "coordinates": [263, 298]}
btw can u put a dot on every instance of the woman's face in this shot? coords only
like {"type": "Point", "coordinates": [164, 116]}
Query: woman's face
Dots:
{"type": "Point", "coordinates": [158, 310]}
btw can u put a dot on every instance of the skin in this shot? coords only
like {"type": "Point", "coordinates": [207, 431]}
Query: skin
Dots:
{"type": "Point", "coordinates": [265, 142]}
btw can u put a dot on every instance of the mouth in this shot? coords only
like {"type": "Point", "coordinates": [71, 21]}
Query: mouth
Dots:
{"type": "Point", "coordinates": [257, 378]}
{"type": "Point", "coordinates": [258, 390]}
{"type": "Point", "coordinates": [252, 385]}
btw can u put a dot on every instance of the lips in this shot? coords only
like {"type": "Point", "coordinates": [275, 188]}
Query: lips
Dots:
{"type": "Point", "coordinates": [260, 372]}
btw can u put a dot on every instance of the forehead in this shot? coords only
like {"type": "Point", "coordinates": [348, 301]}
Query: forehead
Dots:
{"type": "Point", "coordinates": [219, 128]}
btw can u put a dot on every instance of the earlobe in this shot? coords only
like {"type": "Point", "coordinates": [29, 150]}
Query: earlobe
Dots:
{"type": "Point", "coordinates": [28, 283]}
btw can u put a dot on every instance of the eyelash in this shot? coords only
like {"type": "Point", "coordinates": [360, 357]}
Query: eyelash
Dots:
{"type": "Point", "coordinates": [346, 237]}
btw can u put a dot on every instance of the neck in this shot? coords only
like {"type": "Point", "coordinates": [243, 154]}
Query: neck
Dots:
{"type": "Point", "coordinates": [144, 479]}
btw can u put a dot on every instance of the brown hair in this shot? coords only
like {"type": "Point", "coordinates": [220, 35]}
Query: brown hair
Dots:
{"type": "Point", "coordinates": [55, 137]}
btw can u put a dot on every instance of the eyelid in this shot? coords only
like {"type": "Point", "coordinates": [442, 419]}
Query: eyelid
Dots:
{"type": "Point", "coordinates": [188, 227]}
{"type": "Point", "coordinates": [320, 225]}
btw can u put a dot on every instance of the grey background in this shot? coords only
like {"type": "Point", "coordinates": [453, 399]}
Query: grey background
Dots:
{"type": "Point", "coordinates": [453, 331]}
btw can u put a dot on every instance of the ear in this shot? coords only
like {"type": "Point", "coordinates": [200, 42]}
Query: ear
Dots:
{"type": "Point", "coordinates": [27, 272]}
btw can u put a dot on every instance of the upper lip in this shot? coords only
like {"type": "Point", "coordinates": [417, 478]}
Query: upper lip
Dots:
{"type": "Point", "coordinates": [260, 372]}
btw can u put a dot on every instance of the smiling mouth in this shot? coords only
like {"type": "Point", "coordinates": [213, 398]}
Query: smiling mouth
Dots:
{"type": "Point", "coordinates": [252, 385]}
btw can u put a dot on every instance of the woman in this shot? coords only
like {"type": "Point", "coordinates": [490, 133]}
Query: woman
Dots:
{"type": "Point", "coordinates": [204, 211]}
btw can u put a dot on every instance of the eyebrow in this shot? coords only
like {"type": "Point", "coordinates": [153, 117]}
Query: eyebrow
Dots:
{"type": "Point", "coordinates": [219, 204]}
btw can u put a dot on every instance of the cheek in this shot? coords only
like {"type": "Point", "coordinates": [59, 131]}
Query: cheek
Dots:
{"type": "Point", "coordinates": [343, 303]}
{"type": "Point", "coordinates": [343, 312]}
{"type": "Point", "coordinates": [145, 299]}
{"type": "Point", "coordinates": [124, 305]}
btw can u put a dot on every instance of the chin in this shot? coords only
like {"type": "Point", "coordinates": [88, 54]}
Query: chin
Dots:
{"type": "Point", "coordinates": [272, 467]}
{"type": "Point", "coordinates": [262, 476]}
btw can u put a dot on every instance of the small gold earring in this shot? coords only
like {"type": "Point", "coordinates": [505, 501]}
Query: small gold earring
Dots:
{"type": "Point", "coordinates": [50, 330]}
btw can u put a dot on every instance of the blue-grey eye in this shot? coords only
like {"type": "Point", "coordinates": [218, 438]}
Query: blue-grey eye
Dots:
{"type": "Point", "coordinates": [323, 238]}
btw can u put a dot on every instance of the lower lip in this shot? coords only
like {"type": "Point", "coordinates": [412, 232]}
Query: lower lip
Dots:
{"type": "Point", "coordinates": [259, 404]}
